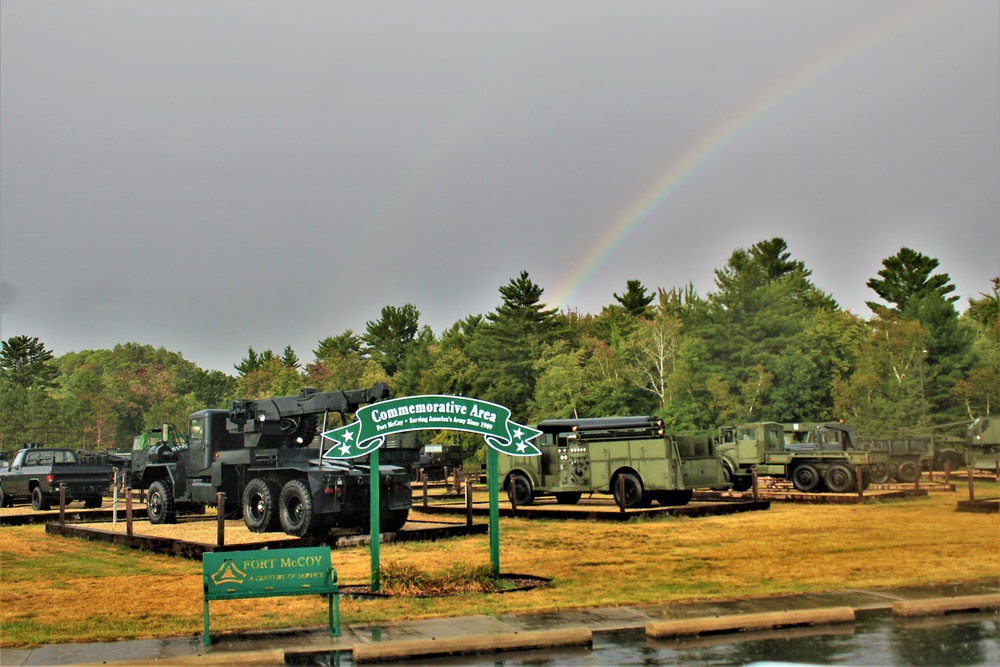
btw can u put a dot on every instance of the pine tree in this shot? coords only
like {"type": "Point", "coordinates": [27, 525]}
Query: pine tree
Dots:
{"type": "Point", "coordinates": [25, 362]}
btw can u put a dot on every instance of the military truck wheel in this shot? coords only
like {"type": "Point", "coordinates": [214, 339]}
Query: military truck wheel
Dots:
{"type": "Point", "coordinates": [806, 478]}
{"type": "Point", "coordinates": [634, 495]}
{"type": "Point", "coordinates": [522, 493]}
{"type": "Point", "coordinates": [879, 473]}
{"type": "Point", "coordinates": [906, 473]}
{"type": "Point", "coordinates": [393, 520]}
{"type": "Point", "coordinates": [160, 503]}
{"type": "Point", "coordinates": [5, 500]}
{"type": "Point", "coordinates": [93, 502]}
{"type": "Point", "coordinates": [840, 479]}
{"type": "Point", "coordinates": [260, 506]}
{"type": "Point", "coordinates": [568, 497]}
{"type": "Point", "coordinates": [39, 502]}
{"type": "Point", "coordinates": [738, 482]}
{"type": "Point", "coordinates": [296, 510]}
{"type": "Point", "coordinates": [949, 458]}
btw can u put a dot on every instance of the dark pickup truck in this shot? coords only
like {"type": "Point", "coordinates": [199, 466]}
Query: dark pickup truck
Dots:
{"type": "Point", "coordinates": [37, 473]}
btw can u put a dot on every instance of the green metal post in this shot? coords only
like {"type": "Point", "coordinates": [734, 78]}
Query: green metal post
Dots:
{"type": "Point", "coordinates": [376, 519]}
{"type": "Point", "coordinates": [492, 470]}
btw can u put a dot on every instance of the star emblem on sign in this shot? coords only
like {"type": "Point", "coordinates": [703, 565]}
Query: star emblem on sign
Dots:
{"type": "Point", "coordinates": [347, 442]}
{"type": "Point", "coordinates": [519, 442]}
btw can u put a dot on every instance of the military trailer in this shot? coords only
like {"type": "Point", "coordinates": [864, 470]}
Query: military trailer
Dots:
{"type": "Point", "coordinates": [631, 458]}
{"type": "Point", "coordinates": [826, 457]}
{"type": "Point", "coordinates": [264, 456]}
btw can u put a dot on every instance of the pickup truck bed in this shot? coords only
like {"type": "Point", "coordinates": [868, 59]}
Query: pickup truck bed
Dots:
{"type": "Point", "coordinates": [36, 474]}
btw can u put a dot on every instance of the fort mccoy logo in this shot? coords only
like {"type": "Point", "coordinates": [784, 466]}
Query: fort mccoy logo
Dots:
{"type": "Point", "coordinates": [432, 412]}
{"type": "Point", "coordinates": [228, 573]}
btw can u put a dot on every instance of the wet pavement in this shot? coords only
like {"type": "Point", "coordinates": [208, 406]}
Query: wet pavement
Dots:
{"type": "Point", "coordinates": [277, 647]}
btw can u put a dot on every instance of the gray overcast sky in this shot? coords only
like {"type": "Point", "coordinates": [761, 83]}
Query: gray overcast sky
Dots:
{"type": "Point", "coordinates": [212, 176]}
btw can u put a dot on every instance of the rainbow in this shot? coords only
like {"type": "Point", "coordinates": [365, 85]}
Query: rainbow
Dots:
{"type": "Point", "coordinates": [714, 142]}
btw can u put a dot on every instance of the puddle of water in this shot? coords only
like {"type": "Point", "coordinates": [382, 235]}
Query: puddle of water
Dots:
{"type": "Point", "coordinates": [879, 640]}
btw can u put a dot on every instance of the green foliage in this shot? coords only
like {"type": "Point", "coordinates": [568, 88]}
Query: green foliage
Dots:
{"type": "Point", "coordinates": [635, 300]}
{"type": "Point", "coordinates": [766, 344]}
{"type": "Point", "coordinates": [986, 310]}
{"type": "Point", "coordinates": [507, 346]}
{"type": "Point", "coordinates": [907, 275]}
{"type": "Point", "coordinates": [25, 362]}
{"type": "Point", "coordinates": [388, 339]}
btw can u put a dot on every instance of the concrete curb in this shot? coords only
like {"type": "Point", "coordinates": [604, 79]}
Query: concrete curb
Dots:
{"type": "Point", "coordinates": [273, 657]}
{"type": "Point", "coordinates": [425, 648]}
{"type": "Point", "coordinates": [945, 605]}
{"type": "Point", "coordinates": [742, 622]}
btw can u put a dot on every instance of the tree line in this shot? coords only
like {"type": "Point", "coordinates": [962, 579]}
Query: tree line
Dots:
{"type": "Point", "coordinates": [765, 345]}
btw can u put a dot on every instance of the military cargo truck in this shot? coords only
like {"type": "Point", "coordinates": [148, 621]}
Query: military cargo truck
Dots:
{"type": "Point", "coordinates": [824, 459]}
{"type": "Point", "coordinates": [263, 455]}
{"type": "Point", "coordinates": [906, 456]}
{"type": "Point", "coordinates": [973, 443]}
{"type": "Point", "coordinates": [591, 455]}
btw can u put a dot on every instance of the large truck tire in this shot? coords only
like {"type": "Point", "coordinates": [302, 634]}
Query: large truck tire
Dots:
{"type": "Point", "coordinates": [879, 473]}
{"type": "Point", "coordinates": [93, 502]}
{"type": "Point", "coordinates": [951, 458]}
{"type": "Point", "coordinates": [260, 506]}
{"type": "Point", "coordinates": [519, 491]}
{"type": "Point", "coordinates": [906, 473]}
{"type": "Point", "coordinates": [806, 478]}
{"type": "Point", "coordinates": [840, 478]}
{"type": "Point", "coordinates": [160, 505]}
{"type": "Point", "coordinates": [392, 521]}
{"type": "Point", "coordinates": [633, 497]}
{"type": "Point", "coordinates": [39, 501]}
{"type": "Point", "coordinates": [295, 508]}
{"type": "Point", "coordinates": [5, 500]}
{"type": "Point", "coordinates": [738, 482]}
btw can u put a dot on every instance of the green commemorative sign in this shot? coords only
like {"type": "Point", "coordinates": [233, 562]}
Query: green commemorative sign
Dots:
{"type": "Point", "coordinates": [414, 413]}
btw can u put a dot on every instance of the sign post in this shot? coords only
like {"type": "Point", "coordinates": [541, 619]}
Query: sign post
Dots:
{"type": "Point", "coordinates": [375, 527]}
{"type": "Point", "coordinates": [493, 484]}
{"type": "Point", "coordinates": [374, 422]}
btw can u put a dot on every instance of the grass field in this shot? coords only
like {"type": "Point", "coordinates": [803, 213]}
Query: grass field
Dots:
{"type": "Point", "coordinates": [55, 589]}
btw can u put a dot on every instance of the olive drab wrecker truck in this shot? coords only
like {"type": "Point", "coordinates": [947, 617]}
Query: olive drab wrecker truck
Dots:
{"type": "Point", "coordinates": [631, 458]}
{"type": "Point", "coordinates": [816, 457]}
{"type": "Point", "coordinates": [974, 444]}
{"type": "Point", "coordinates": [983, 444]}
{"type": "Point", "coordinates": [265, 457]}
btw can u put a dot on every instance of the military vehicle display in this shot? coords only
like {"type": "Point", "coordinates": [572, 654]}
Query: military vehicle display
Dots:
{"type": "Point", "coordinates": [825, 457]}
{"type": "Point", "coordinates": [439, 461]}
{"type": "Point", "coordinates": [956, 445]}
{"type": "Point", "coordinates": [265, 457]}
{"type": "Point", "coordinates": [36, 473]}
{"type": "Point", "coordinates": [906, 456]}
{"type": "Point", "coordinates": [591, 455]}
